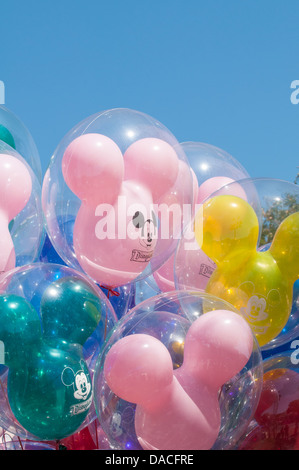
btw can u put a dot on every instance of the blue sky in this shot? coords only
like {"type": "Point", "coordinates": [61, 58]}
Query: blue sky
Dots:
{"type": "Point", "coordinates": [216, 71]}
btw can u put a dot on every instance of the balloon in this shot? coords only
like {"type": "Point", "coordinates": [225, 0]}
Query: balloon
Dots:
{"type": "Point", "coordinates": [159, 357]}
{"type": "Point", "coordinates": [49, 351]}
{"type": "Point", "coordinates": [9, 441]}
{"type": "Point", "coordinates": [15, 192]}
{"type": "Point", "coordinates": [259, 284]}
{"type": "Point", "coordinates": [145, 289]}
{"type": "Point", "coordinates": [14, 133]}
{"type": "Point", "coordinates": [6, 136]}
{"type": "Point", "coordinates": [138, 369]}
{"type": "Point", "coordinates": [81, 440]}
{"type": "Point", "coordinates": [279, 397]}
{"type": "Point", "coordinates": [208, 187]}
{"type": "Point", "coordinates": [91, 437]}
{"type": "Point", "coordinates": [21, 221]}
{"type": "Point", "coordinates": [212, 168]}
{"type": "Point", "coordinates": [275, 424]}
{"type": "Point", "coordinates": [123, 178]}
{"type": "Point", "coordinates": [121, 298]}
{"type": "Point", "coordinates": [101, 260]}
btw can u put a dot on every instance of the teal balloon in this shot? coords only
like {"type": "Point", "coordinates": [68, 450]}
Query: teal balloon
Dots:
{"type": "Point", "coordinates": [49, 386]}
{"type": "Point", "coordinates": [50, 396]}
{"type": "Point", "coordinates": [20, 328]}
{"type": "Point", "coordinates": [71, 309]}
{"type": "Point", "coordinates": [6, 136]}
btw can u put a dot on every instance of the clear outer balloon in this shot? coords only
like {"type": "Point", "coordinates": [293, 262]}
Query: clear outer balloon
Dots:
{"type": "Point", "coordinates": [164, 367]}
{"type": "Point", "coordinates": [14, 133]}
{"type": "Point", "coordinates": [145, 289]}
{"type": "Point", "coordinates": [122, 298]}
{"type": "Point", "coordinates": [275, 423]}
{"type": "Point", "coordinates": [123, 180]}
{"type": "Point", "coordinates": [21, 220]}
{"type": "Point", "coordinates": [212, 169]}
{"type": "Point", "coordinates": [9, 441]}
{"type": "Point", "coordinates": [54, 322]}
{"type": "Point", "coordinates": [231, 232]}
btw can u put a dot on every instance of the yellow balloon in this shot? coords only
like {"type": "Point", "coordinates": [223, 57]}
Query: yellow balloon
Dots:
{"type": "Point", "coordinates": [258, 284]}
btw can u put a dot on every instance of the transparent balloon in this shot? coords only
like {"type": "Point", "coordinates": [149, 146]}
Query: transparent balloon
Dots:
{"type": "Point", "coordinates": [114, 196]}
{"type": "Point", "coordinates": [275, 423]}
{"type": "Point", "coordinates": [122, 298]}
{"type": "Point", "coordinates": [167, 320]}
{"type": "Point", "coordinates": [22, 221]}
{"type": "Point", "coordinates": [14, 133]}
{"type": "Point", "coordinates": [54, 322]}
{"type": "Point", "coordinates": [212, 169]}
{"type": "Point", "coordinates": [145, 289]}
{"type": "Point", "coordinates": [263, 283]}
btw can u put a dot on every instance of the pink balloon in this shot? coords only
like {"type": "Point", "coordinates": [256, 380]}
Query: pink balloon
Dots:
{"type": "Point", "coordinates": [158, 168]}
{"type": "Point", "coordinates": [208, 187]}
{"type": "Point", "coordinates": [15, 191]}
{"type": "Point", "coordinates": [179, 409]}
{"type": "Point", "coordinates": [93, 168]}
{"type": "Point", "coordinates": [164, 276]}
{"type": "Point", "coordinates": [115, 231]}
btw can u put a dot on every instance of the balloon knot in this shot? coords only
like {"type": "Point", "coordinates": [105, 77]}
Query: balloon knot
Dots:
{"type": "Point", "coordinates": [110, 291]}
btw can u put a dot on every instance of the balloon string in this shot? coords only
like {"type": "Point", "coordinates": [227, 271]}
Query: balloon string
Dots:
{"type": "Point", "coordinates": [110, 291]}
{"type": "Point", "coordinates": [20, 442]}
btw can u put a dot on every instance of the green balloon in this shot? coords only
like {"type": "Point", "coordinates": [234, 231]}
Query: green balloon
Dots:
{"type": "Point", "coordinates": [71, 309]}
{"type": "Point", "coordinates": [20, 328]}
{"type": "Point", "coordinates": [6, 136]}
{"type": "Point", "coordinates": [49, 387]}
{"type": "Point", "coordinates": [52, 394]}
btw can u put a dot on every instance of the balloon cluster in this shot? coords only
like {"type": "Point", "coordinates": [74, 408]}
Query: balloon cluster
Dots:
{"type": "Point", "coordinates": [143, 281]}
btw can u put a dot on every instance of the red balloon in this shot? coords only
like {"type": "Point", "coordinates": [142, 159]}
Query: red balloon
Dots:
{"type": "Point", "coordinates": [81, 440]}
{"type": "Point", "coordinates": [277, 414]}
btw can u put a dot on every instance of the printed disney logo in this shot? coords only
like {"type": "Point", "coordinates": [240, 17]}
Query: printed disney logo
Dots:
{"type": "Point", "coordinates": [2, 92]}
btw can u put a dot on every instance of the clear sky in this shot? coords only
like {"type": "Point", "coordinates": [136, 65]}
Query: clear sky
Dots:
{"type": "Point", "coordinates": [215, 71]}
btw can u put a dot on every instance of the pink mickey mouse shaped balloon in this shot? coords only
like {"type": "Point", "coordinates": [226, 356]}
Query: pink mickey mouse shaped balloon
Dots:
{"type": "Point", "coordinates": [114, 196]}
{"type": "Point", "coordinates": [179, 409]}
{"type": "Point", "coordinates": [15, 191]}
{"type": "Point", "coordinates": [115, 231]}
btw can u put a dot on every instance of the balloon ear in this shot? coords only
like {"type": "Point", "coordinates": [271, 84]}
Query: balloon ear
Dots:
{"type": "Point", "coordinates": [154, 163]}
{"type": "Point", "coordinates": [71, 310]}
{"type": "Point", "coordinates": [93, 168]}
{"type": "Point", "coordinates": [226, 225]}
{"type": "Point", "coordinates": [138, 368]}
{"type": "Point", "coordinates": [217, 346]}
{"type": "Point", "coordinates": [285, 247]}
{"type": "Point", "coordinates": [68, 376]}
